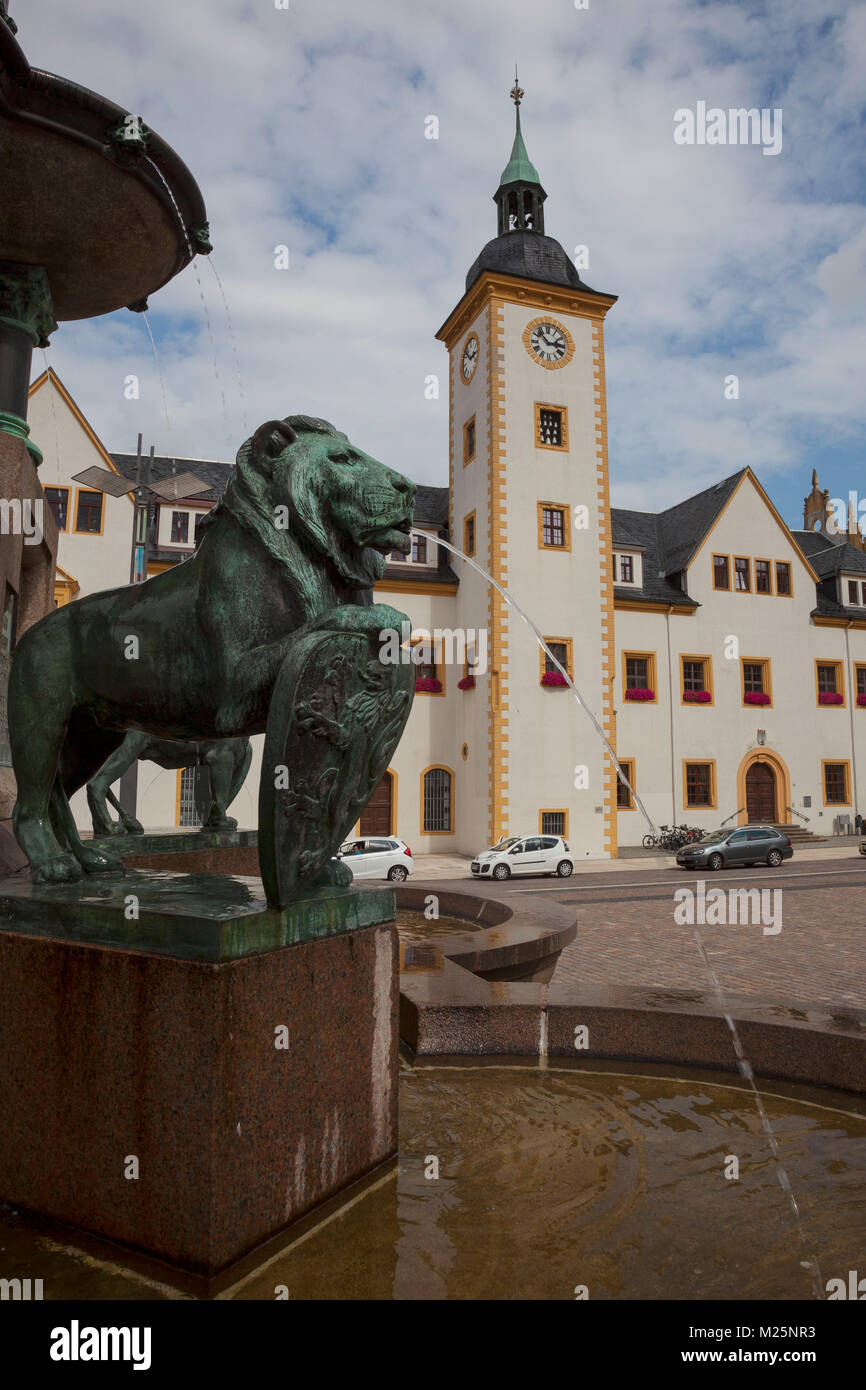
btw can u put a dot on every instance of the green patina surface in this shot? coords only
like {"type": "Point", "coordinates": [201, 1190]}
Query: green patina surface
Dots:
{"type": "Point", "coordinates": [171, 841]}
{"type": "Point", "coordinates": [520, 168]}
{"type": "Point", "coordinates": [204, 917]}
{"type": "Point", "coordinates": [25, 301]}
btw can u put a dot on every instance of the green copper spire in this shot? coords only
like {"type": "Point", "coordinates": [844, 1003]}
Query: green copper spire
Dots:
{"type": "Point", "coordinates": [519, 167]}
{"type": "Point", "coordinates": [520, 195]}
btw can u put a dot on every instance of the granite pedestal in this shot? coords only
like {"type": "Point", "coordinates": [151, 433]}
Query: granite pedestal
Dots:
{"type": "Point", "coordinates": [190, 1083]}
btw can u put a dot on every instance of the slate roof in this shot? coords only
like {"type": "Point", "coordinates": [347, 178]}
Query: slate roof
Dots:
{"type": "Point", "coordinates": [210, 471]}
{"type": "Point", "coordinates": [530, 255]}
{"type": "Point", "coordinates": [683, 527]}
{"type": "Point", "coordinates": [839, 558]}
{"type": "Point", "coordinates": [812, 543]}
{"type": "Point", "coordinates": [431, 506]}
{"type": "Point", "coordinates": [640, 531]}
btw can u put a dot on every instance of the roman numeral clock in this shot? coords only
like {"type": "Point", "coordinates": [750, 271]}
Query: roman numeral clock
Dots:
{"type": "Point", "coordinates": [548, 342]}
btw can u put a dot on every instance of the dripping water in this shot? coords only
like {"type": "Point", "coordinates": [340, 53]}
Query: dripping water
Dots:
{"type": "Point", "coordinates": [234, 345]}
{"type": "Point", "coordinates": [159, 374]}
{"type": "Point", "coordinates": [194, 264]}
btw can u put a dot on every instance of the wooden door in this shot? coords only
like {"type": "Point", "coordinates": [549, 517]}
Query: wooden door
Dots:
{"type": "Point", "coordinates": [376, 819]}
{"type": "Point", "coordinates": [760, 794]}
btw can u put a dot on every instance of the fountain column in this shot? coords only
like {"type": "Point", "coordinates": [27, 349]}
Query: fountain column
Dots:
{"type": "Point", "coordinates": [26, 319]}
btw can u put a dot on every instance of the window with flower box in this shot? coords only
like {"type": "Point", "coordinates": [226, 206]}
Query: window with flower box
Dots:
{"type": "Point", "coordinates": [639, 677]}
{"type": "Point", "coordinates": [697, 680]}
{"type": "Point", "coordinates": [550, 675]}
{"type": "Point", "coordinates": [757, 680]}
{"type": "Point", "coordinates": [829, 683]}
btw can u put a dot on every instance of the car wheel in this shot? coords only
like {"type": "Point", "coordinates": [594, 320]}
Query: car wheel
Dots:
{"type": "Point", "coordinates": [398, 874]}
{"type": "Point", "coordinates": [564, 869]}
{"type": "Point", "coordinates": [715, 861]}
{"type": "Point", "coordinates": [501, 871]}
{"type": "Point", "coordinates": [774, 859]}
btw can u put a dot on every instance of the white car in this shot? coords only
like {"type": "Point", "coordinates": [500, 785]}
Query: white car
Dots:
{"type": "Point", "coordinates": [378, 857]}
{"type": "Point", "coordinates": [539, 854]}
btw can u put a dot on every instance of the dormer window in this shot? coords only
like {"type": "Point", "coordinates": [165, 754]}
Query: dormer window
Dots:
{"type": "Point", "coordinates": [856, 593]}
{"type": "Point", "coordinates": [627, 569]}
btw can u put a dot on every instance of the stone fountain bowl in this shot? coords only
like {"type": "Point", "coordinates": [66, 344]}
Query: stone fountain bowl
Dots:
{"type": "Point", "coordinates": [82, 202]}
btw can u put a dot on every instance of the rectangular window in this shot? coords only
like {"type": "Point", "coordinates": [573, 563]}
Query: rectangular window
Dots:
{"type": "Point", "coordinates": [58, 502]}
{"type": "Point", "coordinates": [753, 678]}
{"type": "Point", "coordinates": [425, 657]}
{"type": "Point", "coordinates": [419, 550]}
{"type": "Point", "coordinates": [180, 527]}
{"type": "Point", "coordinates": [554, 823]}
{"type": "Point", "coordinates": [624, 799]}
{"type": "Point", "coordinates": [469, 441]}
{"type": "Point", "coordinates": [88, 514]}
{"type": "Point", "coordinates": [626, 569]}
{"type": "Point", "coordinates": [783, 578]}
{"type": "Point", "coordinates": [863, 600]}
{"type": "Point", "coordinates": [636, 673]}
{"type": "Point", "coordinates": [854, 592]}
{"type": "Point", "coordinates": [553, 526]}
{"type": "Point", "coordinates": [551, 426]}
{"type": "Point", "coordinates": [697, 680]}
{"type": "Point", "coordinates": [721, 572]}
{"type": "Point", "coordinates": [828, 677]}
{"type": "Point", "coordinates": [562, 651]}
{"type": "Point", "coordinates": [860, 677]}
{"type": "Point", "coordinates": [763, 582]}
{"type": "Point", "coordinates": [742, 574]}
{"type": "Point", "coordinates": [469, 534]}
{"type": "Point", "coordinates": [700, 784]}
{"type": "Point", "coordinates": [836, 784]}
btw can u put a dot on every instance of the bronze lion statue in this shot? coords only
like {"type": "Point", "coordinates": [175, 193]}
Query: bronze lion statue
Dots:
{"type": "Point", "coordinates": [295, 543]}
{"type": "Point", "coordinates": [227, 760]}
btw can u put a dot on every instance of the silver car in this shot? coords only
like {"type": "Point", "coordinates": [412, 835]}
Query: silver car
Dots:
{"type": "Point", "coordinates": [745, 844]}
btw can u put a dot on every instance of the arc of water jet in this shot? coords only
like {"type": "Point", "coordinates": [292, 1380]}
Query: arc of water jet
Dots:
{"type": "Point", "coordinates": [159, 374]}
{"type": "Point", "coordinates": [512, 603]}
{"type": "Point", "coordinates": [233, 341]}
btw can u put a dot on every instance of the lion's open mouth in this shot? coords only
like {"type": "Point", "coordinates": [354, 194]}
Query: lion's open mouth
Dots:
{"type": "Point", "coordinates": [393, 537]}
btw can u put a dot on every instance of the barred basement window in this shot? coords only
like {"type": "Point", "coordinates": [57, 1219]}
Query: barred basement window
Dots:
{"type": "Point", "coordinates": [437, 801]}
{"type": "Point", "coordinates": [188, 812]}
{"type": "Point", "coordinates": [553, 823]}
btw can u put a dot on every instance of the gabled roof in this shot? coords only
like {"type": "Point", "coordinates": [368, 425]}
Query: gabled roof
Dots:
{"type": "Point", "coordinates": [684, 527]}
{"type": "Point", "coordinates": [640, 531]}
{"type": "Point", "coordinates": [51, 375]}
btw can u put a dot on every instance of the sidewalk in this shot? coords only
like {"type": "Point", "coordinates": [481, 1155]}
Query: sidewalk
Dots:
{"type": "Point", "coordinates": [457, 865]}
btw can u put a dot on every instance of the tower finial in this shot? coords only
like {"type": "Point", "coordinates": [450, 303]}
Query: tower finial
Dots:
{"type": "Point", "coordinates": [516, 92]}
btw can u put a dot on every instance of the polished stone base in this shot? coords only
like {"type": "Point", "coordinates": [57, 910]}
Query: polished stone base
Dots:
{"type": "Point", "coordinates": [191, 1109]}
{"type": "Point", "coordinates": [192, 916]}
{"type": "Point", "coordinates": [186, 851]}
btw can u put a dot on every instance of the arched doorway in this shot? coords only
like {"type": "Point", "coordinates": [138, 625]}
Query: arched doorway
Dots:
{"type": "Point", "coordinates": [763, 788]}
{"type": "Point", "coordinates": [760, 793]}
{"type": "Point", "coordinates": [377, 818]}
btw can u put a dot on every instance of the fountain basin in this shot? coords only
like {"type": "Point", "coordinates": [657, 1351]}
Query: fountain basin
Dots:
{"type": "Point", "coordinates": [91, 210]}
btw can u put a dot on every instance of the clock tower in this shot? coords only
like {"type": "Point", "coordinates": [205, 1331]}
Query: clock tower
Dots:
{"type": "Point", "coordinates": [529, 499]}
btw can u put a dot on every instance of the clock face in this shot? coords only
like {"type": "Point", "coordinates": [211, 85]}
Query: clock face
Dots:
{"type": "Point", "coordinates": [548, 342]}
{"type": "Point", "coordinates": [469, 360]}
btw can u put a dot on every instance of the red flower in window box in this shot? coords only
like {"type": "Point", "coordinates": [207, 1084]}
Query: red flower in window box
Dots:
{"type": "Point", "coordinates": [553, 678]}
{"type": "Point", "coordinates": [429, 685]}
{"type": "Point", "coordinates": [697, 697]}
{"type": "Point", "coordinates": [829, 697]}
{"type": "Point", "coordinates": [756, 697]}
{"type": "Point", "coordinates": [640, 694]}
{"type": "Point", "coordinates": [467, 683]}
{"type": "Point", "coordinates": [861, 701]}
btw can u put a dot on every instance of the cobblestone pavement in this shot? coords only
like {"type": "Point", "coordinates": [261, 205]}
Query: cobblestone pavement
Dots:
{"type": "Point", "coordinates": [627, 934]}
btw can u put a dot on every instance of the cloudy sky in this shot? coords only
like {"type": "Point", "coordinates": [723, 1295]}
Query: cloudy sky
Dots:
{"type": "Point", "coordinates": [305, 128]}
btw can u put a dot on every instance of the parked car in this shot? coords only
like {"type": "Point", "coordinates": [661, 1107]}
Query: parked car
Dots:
{"type": "Point", "coordinates": [745, 844]}
{"type": "Point", "coordinates": [385, 857]}
{"type": "Point", "coordinates": [538, 854]}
